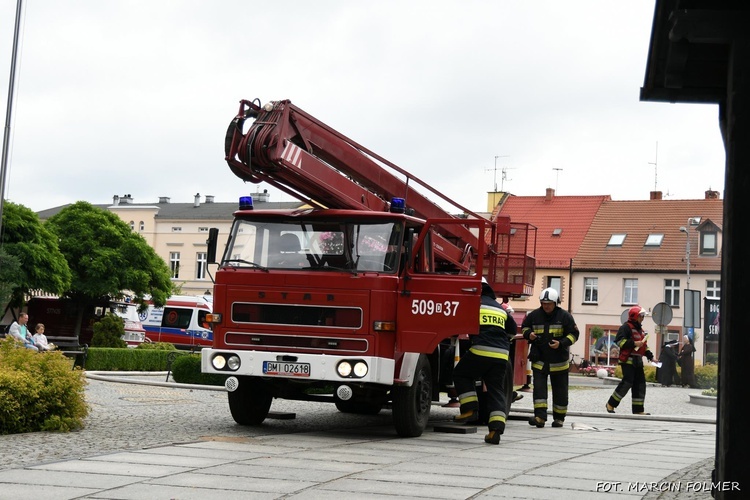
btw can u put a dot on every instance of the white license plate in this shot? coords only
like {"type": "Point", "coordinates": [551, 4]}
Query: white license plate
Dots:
{"type": "Point", "coordinates": [283, 368]}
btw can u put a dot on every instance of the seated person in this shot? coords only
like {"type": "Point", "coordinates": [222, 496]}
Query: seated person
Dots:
{"type": "Point", "coordinates": [19, 331]}
{"type": "Point", "coordinates": [40, 339]}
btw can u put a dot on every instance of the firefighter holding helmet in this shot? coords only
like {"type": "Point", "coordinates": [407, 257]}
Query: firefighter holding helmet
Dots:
{"type": "Point", "coordinates": [550, 330]}
{"type": "Point", "coordinates": [486, 359]}
{"type": "Point", "coordinates": [631, 339]}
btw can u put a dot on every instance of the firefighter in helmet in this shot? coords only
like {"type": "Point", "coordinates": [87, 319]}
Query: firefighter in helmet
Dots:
{"type": "Point", "coordinates": [631, 339]}
{"type": "Point", "coordinates": [487, 358]}
{"type": "Point", "coordinates": [550, 330]}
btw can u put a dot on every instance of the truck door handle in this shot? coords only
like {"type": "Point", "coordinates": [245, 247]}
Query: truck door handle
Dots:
{"type": "Point", "coordinates": [473, 290]}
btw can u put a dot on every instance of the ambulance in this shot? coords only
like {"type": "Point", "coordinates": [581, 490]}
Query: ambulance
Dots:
{"type": "Point", "coordinates": [182, 321]}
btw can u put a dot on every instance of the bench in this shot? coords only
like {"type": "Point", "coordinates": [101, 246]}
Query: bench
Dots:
{"type": "Point", "coordinates": [72, 348]}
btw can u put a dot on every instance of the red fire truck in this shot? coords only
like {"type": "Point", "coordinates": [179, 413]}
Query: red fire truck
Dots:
{"type": "Point", "coordinates": [358, 296]}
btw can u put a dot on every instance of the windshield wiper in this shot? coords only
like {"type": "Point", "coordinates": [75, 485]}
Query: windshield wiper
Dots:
{"type": "Point", "coordinates": [243, 261]}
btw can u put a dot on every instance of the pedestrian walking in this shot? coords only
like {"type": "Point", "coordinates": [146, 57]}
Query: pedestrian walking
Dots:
{"type": "Point", "coordinates": [631, 338]}
{"type": "Point", "coordinates": [551, 331]}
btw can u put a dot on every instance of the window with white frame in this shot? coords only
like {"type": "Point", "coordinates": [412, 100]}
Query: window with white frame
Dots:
{"type": "Point", "coordinates": [132, 225]}
{"type": "Point", "coordinates": [672, 292]}
{"type": "Point", "coordinates": [616, 240]}
{"type": "Point", "coordinates": [200, 266]}
{"type": "Point", "coordinates": [202, 229]}
{"type": "Point", "coordinates": [630, 291]}
{"type": "Point", "coordinates": [708, 243]}
{"type": "Point", "coordinates": [176, 229]}
{"type": "Point", "coordinates": [713, 289]}
{"type": "Point", "coordinates": [142, 226]}
{"type": "Point", "coordinates": [174, 264]}
{"type": "Point", "coordinates": [590, 290]}
{"type": "Point", "coordinates": [556, 283]}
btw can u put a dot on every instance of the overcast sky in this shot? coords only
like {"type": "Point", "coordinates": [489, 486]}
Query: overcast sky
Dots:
{"type": "Point", "coordinates": [134, 97]}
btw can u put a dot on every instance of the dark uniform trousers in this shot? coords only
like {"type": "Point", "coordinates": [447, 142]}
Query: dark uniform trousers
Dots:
{"type": "Point", "coordinates": [633, 379]}
{"type": "Point", "coordinates": [490, 369]}
{"type": "Point", "coordinates": [558, 378]}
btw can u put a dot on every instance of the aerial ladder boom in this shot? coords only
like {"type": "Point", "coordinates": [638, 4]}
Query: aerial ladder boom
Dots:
{"type": "Point", "coordinates": [282, 145]}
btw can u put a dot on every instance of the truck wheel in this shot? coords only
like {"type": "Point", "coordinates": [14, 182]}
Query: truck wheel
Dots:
{"type": "Point", "coordinates": [411, 405]}
{"type": "Point", "coordinates": [358, 407]}
{"type": "Point", "coordinates": [250, 402]}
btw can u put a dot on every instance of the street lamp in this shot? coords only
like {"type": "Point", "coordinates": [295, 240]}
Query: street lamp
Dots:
{"type": "Point", "coordinates": [692, 221]}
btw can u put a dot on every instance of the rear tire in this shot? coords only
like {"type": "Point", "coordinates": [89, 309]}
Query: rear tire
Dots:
{"type": "Point", "coordinates": [250, 402]}
{"type": "Point", "coordinates": [411, 405]}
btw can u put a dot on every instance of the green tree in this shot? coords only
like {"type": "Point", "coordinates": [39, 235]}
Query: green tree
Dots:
{"type": "Point", "coordinates": [42, 265]}
{"type": "Point", "coordinates": [10, 276]}
{"type": "Point", "coordinates": [107, 258]}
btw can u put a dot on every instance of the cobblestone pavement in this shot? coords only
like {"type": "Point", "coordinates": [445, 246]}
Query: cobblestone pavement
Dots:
{"type": "Point", "coordinates": [127, 416]}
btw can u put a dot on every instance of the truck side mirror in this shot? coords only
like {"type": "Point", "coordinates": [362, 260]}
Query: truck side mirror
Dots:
{"type": "Point", "coordinates": [213, 238]}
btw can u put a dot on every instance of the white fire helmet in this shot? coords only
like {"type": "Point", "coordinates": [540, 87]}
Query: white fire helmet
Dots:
{"type": "Point", "coordinates": [549, 295]}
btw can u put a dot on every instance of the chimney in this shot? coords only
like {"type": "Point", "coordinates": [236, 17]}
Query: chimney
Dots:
{"type": "Point", "coordinates": [197, 201]}
{"type": "Point", "coordinates": [655, 195]}
{"type": "Point", "coordinates": [550, 194]}
{"type": "Point", "coordinates": [163, 199]}
{"type": "Point", "coordinates": [116, 200]}
{"type": "Point", "coordinates": [712, 195]}
{"type": "Point", "coordinates": [126, 200]}
{"type": "Point", "coordinates": [209, 198]}
{"type": "Point", "coordinates": [262, 197]}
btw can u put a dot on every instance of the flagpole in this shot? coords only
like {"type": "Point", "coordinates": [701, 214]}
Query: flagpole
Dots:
{"type": "Point", "coordinates": [8, 113]}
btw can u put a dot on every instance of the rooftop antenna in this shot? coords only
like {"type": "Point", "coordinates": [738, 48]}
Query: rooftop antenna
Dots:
{"type": "Point", "coordinates": [504, 177]}
{"type": "Point", "coordinates": [654, 163]}
{"type": "Point", "coordinates": [557, 176]}
{"type": "Point", "coordinates": [495, 169]}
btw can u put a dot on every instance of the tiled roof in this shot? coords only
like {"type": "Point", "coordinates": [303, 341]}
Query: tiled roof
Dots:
{"type": "Point", "coordinates": [639, 219]}
{"type": "Point", "coordinates": [570, 214]}
{"type": "Point", "coordinates": [187, 211]}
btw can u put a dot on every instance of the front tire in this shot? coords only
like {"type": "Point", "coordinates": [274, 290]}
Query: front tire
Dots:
{"type": "Point", "coordinates": [250, 402]}
{"type": "Point", "coordinates": [411, 405]}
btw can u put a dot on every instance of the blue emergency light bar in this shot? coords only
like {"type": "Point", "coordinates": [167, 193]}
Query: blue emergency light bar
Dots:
{"type": "Point", "coordinates": [398, 205]}
{"type": "Point", "coordinates": [246, 202]}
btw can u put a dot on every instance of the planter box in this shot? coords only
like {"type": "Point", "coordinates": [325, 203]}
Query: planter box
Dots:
{"type": "Point", "coordinates": [701, 400]}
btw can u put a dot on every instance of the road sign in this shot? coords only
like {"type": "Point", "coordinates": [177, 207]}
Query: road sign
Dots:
{"type": "Point", "coordinates": [662, 313]}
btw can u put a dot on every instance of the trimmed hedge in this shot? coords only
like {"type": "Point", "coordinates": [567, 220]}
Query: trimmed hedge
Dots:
{"type": "Point", "coordinates": [186, 369]}
{"type": "Point", "coordinates": [114, 359]}
{"type": "Point", "coordinates": [39, 391]}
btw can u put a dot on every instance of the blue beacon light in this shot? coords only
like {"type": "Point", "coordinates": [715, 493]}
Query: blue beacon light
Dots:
{"type": "Point", "coordinates": [246, 202]}
{"type": "Point", "coordinates": [397, 205]}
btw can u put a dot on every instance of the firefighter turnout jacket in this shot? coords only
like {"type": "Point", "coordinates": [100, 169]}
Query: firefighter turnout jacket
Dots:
{"type": "Point", "coordinates": [559, 325]}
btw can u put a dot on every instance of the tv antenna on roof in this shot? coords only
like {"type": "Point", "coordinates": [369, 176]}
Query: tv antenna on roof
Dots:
{"type": "Point", "coordinates": [557, 176]}
{"type": "Point", "coordinates": [654, 163]}
{"type": "Point", "coordinates": [495, 169]}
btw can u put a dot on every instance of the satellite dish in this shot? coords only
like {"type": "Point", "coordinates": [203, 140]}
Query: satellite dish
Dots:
{"type": "Point", "coordinates": [624, 316]}
{"type": "Point", "coordinates": [662, 313]}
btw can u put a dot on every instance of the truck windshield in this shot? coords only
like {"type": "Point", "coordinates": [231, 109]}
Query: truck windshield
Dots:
{"type": "Point", "coordinates": [321, 245]}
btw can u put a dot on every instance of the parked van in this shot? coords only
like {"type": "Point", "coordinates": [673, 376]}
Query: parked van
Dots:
{"type": "Point", "coordinates": [182, 321]}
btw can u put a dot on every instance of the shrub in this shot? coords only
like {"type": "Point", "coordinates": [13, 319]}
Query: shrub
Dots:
{"type": "Point", "coordinates": [186, 369]}
{"type": "Point", "coordinates": [39, 391]}
{"type": "Point", "coordinates": [712, 358]}
{"type": "Point", "coordinates": [113, 359]}
{"type": "Point", "coordinates": [108, 332]}
{"type": "Point", "coordinates": [159, 346]}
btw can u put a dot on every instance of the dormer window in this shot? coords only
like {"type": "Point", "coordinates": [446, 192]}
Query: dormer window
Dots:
{"type": "Point", "coordinates": [654, 240]}
{"type": "Point", "coordinates": [616, 240]}
{"type": "Point", "coordinates": [708, 243]}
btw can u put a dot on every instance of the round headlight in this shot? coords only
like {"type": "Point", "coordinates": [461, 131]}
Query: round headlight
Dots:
{"type": "Point", "coordinates": [233, 362]}
{"type": "Point", "coordinates": [219, 362]}
{"type": "Point", "coordinates": [344, 368]}
{"type": "Point", "coordinates": [360, 369]}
